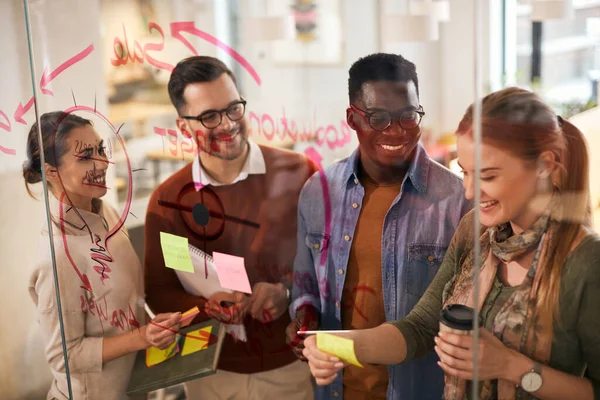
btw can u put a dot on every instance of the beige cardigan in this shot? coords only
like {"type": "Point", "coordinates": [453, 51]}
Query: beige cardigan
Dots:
{"type": "Point", "coordinates": [101, 293]}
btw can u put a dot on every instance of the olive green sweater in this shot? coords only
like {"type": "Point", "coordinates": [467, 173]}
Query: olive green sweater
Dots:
{"type": "Point", "coordinates": [576, 342]}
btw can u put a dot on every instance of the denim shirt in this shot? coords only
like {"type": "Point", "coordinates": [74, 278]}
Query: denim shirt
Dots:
{"type": "Point", "coordinates": [416, 233]}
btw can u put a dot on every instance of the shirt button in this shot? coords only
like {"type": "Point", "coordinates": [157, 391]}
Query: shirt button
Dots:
{"type": "Point", "coordinates": [354, 205]}
{"type": "Point", "coordinates": [347, 238]}
{"type": "Point", "coordinates": [355, 181]}
{"type": "Point", "coordinates": [316, 246]}
{"type": "Point", "coordinates": [340, 271]}
{"type": "Point", "coordinates": [337, 304]}
{"type": "Point", "coordinates": [336, 394]}
{"type": "Point", "coordinates": [430, 258]}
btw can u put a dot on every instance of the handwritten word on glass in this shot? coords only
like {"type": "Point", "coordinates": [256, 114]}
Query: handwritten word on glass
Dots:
{"type": "Point", "coordinates": [340, 347]}
{"type": "Point", "coordinates": [232, 272]}
{"type": "Point", "coordinates": [175, 252]}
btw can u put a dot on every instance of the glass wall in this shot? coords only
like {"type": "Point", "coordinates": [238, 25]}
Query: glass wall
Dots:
{"type": "Point", "coordinates": [84, 284]}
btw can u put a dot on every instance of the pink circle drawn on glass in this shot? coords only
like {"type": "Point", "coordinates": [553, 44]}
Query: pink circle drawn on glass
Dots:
{"type": "Point", "coordinates": [86, 284]}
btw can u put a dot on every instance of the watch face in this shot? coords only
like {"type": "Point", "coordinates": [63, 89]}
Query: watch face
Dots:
{"type": "Point", "coordinates": [531, 381]}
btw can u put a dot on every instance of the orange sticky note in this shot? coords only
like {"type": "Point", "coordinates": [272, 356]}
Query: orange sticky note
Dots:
{"type": "Point", "coordinates": [196, 341]}
{"type": "Point", "coordinates": [341, 347]}
{"type": "Point", "coordinates": [189, 315]}
{"type": "Point", "coordinates": [156, 356]}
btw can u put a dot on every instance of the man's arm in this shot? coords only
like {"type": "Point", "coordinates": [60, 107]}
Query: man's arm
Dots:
{"type": "Point", "coordinates": [305, 288]}
{"type": "Point", "coordinates": [305, 299]}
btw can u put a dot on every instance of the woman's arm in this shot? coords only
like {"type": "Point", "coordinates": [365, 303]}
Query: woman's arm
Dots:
{"type": "Point", "coordinates": [85, 353]}
{"type": "Point", "coordinates": [496, 361]}
{"type": "Point", "coordinates": [160, 333]}
{"type": "Point", "coordinates": [556, 384]}
{"type": "Point", "coordinates": [384, 344]}
{"type": "Point", "coordinates": [395, 342]}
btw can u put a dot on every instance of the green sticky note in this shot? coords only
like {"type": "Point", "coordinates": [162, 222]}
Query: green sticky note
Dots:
{"type": "Point", "coordinates": [175, 252]}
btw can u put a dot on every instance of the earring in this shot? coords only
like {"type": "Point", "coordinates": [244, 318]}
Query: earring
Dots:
{"type": "Point", "coordinates": [544, 183]}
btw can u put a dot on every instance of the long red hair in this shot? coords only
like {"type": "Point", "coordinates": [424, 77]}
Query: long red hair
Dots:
{"type": "Point", "coordinates": [518, 121]}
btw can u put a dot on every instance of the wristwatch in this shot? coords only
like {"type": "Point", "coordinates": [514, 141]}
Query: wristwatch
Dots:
{"type": "Point", "coordinates": [531, 381]}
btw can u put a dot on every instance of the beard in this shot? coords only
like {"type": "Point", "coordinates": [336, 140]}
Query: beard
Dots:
{"type": "Point", "coordinates": [226, 145]}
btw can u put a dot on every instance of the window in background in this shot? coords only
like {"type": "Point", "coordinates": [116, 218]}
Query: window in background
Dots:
{"type": "Point", "coordinates": [570, 55]}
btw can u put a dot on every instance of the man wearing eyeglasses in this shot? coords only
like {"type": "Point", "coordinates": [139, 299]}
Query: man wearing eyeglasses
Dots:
{"type": "Point", "coordinates": [240, 199]}
{"type": "Point", "coordinates": [374, 229]}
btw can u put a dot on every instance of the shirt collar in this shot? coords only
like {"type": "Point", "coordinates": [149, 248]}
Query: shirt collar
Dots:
{"type": "Point", "coordinates": [417, 172]}
{"type": "Point", "coordinates": [255, 165]}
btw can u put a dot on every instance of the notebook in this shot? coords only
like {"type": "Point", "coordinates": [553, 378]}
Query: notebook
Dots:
{"type": "Point", "coordinates": [199, 284]}
{"type": "Point", "coordinates": [179, 368]}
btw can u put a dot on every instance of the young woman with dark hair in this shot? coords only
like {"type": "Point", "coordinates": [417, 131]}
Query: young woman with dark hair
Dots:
{"type": "Point", "coordinates": [99, 276]}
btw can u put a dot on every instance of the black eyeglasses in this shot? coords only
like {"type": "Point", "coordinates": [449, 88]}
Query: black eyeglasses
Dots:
{"type": "Point", "coordinates": [380, 120]}
{"type": "Point", "coordinates": [213, 118]}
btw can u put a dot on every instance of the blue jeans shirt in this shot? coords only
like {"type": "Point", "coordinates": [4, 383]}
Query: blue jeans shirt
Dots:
{"type": "Point", "coordinates": [416, 233]}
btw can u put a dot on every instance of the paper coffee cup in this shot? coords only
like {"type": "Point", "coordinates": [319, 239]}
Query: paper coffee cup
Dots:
{"type": "Point", "coordinates": [457, 319]}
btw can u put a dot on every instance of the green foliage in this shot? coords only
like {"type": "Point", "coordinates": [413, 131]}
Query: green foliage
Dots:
{"type": "Point", "coordinates": [573, 107]}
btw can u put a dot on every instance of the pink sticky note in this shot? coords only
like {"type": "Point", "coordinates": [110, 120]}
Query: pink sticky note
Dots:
{"type": "Point", "coordinates": [232, 272]}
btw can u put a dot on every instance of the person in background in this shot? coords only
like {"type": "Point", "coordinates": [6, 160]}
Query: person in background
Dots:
{"type": "Point", "coordinates": [249, 194]}
{"type": "Point", "coordinates": [101, 290]}
{"type": "Point", "coordinates": [393, 213]}
{"type": "Point", "coordinates": [538, 277]}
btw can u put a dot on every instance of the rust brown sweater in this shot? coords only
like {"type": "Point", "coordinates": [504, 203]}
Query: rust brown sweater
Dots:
{"type": "Point", "coordinates": [269, 200]}
{"type": "Point", "coordinates": [362, 297]}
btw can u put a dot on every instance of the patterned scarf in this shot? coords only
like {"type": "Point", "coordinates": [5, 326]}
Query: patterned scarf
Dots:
{"type": "Point", "coordinates": [517, 325]}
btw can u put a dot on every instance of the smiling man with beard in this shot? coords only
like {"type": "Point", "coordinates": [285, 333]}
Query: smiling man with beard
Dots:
{"type": "Point", "coordinates": [241, 199]}
{"type": "Point", "coordinates": [393, 213]}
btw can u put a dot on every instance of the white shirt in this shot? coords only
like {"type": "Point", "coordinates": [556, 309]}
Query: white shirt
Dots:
{"type": "Point", "coordinates": [255, 164]}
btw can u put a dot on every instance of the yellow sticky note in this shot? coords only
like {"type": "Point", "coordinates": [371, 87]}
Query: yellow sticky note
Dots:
{"type": "Point", "coordinates": [196, 341]}
{"type": "Point", "coordinates": [343, 348]}
{"type": "Point", "coordinates": [176, 253]}
{"type": "Point", "coordinates": [156, 356]}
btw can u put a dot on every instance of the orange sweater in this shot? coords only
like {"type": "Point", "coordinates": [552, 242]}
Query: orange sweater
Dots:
{"type": "Point", "coordinates": [362, 297]}
{"type": "Point", "coordinates": [269, 200]}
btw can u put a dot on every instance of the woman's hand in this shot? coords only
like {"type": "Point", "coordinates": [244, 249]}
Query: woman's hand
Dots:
{"type": "Point", "coordinates": [456, 355]}
{"type": "Point", "coordinates": [323, 367]}
{"type": "Point", "coordinates": [161, 331]}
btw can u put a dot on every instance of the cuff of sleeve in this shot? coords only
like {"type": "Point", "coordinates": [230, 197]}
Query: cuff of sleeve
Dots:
{"type": "Point", "coordinates": [302, 301]}
{"type": "Point", "coordinates": [411, 342]}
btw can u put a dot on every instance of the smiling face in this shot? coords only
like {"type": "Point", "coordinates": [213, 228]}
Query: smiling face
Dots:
{"type": "Point", "coordinates": [229, 139]}
{"type": "Point", "coordinates": [508, 184]}
{"type": "Point", "coordinates": [82, 170]}
{"type": "Point", "coordinates": [394, 146]}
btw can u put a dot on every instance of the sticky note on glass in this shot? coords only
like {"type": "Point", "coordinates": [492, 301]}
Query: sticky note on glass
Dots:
{"type": "Point", "coordinates": [156, 356]}
{"type": "Point", "coordinates": [196, 341]}
{"type": "Point", "coordinates": [176, 253]}
{"type": "Point", "coordinates": [231, 272]}
{"type": "Point", "coordinates": [189, 315]}
{"type": "Point", "coordinates": [341, 347]}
